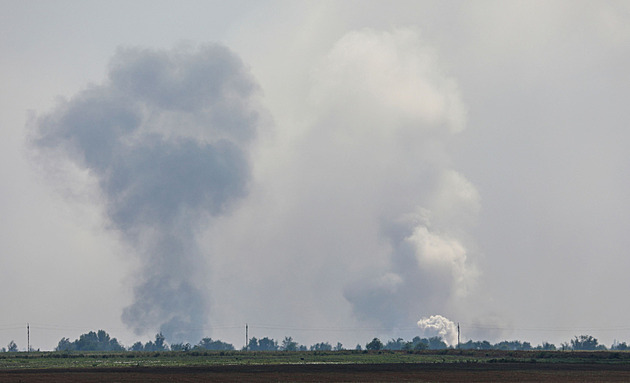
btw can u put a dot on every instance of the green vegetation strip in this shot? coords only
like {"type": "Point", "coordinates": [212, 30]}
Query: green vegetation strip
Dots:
{"type": "Point", "coordinates": [41, 360]}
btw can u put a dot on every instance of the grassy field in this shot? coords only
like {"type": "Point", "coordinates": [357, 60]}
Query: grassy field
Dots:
{"type": "Point", "coordinates": [338, 366]}
{"type": "Point", "coordinates": [66, 360]}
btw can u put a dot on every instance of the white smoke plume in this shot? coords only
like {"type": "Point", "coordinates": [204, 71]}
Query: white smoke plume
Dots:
{"type": "Point", "coordinates": [387, 113]}
{"type": "Point", "coordinates": [437, 325]}
{"type": "Point", "coordinates": [165, 139]}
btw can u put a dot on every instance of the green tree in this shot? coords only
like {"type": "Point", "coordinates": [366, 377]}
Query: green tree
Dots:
{"type": "Point", "coordinates": [157, 345]}
{"type": "Point", "coordinates": [91, 341]}
{"type": "Point", "coordinates": [395, 344]}
{"type": "Point", "coordinates": [160, 345]}
{"type": "Point", "coordinates": [12, 347]}
{"type": "Point", "coordinates": [420, 346]}
{"type": "Point", "coordinates": [436, 343]}
{"type": "Point", "coordinates": [546, 346]}
{"type": "Point", "coordinates": [252, 345]}
{"type": "Point", "coordinates": [264, 344]}
{"type": "Point", "coordinates": [64, 345]}
{"type": "Point", "coordinates": [374, 345]}
{"type": "Point", "coordinates": [288, 344]}
{"type": "Point", "coordinates": [87, 342]}
{"type": "Point", "coordinates": [513, 345]}
{"type": "Point", "coordinates": [322, 346]}
{"type": "Point", "coordinates": [181, 347]}
{"type": "Point", "coordinates": [209, 344]}
{"type": "Point", "coordinates": [267, 344]}
{"type": "Point", "coordinates": [584, 342]}
{"type": "Point", "coordinates": [106, 343]}
{"type": "Point", "coordinates": [417, 344]}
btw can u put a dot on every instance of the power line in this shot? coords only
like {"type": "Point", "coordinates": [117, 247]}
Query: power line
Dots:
{"type": "Point", "coordinates": [284, 327]}
{"type": "Point", "coordinates": [545, 329]}
{"type": "Point", "coordinates": [353, 328]}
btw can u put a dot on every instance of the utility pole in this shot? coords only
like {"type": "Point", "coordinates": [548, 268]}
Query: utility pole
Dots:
{"type": "Point", "coordinates": [28, 338]}
{"type": "Point", "coordinates": [457, 334]}
{"type": "Point", "coordinates": [246, 337]}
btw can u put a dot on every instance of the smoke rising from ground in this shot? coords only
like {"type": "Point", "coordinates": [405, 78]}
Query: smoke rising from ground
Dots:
{"type": "Point", "coordinates": [359, 195]}
{"type": "Point", "coordinates": [546, 89]}
{"type": "Point", "coordinates": [365, 220]}
{"type": "Point", "coordinates": [166, 140]}
{"type": "Point", "coordinates": [388, 113]}
{"type": "Point", "coordinates": [437, 325]}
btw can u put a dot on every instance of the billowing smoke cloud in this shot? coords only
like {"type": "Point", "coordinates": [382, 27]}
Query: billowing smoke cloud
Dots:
{"type": "Point", "coordinates": [366, 221]}
{"type": "Point", "coordinates": [364, 217]}
{"type": "Point", "coordinates": [388, 114]}
{"type": "Point", "coordinates": [166, 140]}
{"type": "Point", "coordinates": [437, 325]}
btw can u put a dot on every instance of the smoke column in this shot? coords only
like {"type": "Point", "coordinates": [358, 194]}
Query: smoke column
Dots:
{"type": "Point", "coordinates": [366, 220]}
{"type": "Point", "coordinates": [387, 115]}
{"type": "Point", "coordinates": [165, 139]}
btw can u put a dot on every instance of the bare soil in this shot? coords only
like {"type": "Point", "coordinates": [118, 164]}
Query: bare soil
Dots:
{"type": "Point", "coordinates": [441, 372]}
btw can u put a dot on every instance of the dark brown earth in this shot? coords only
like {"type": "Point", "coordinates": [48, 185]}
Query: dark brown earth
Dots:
{"type": "Point", "coordinates": [459, 372]}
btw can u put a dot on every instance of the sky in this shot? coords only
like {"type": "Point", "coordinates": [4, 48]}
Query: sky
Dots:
{"type": "Point", "coordinates": [329, 171]}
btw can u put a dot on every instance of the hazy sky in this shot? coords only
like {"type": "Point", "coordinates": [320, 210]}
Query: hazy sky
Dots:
{"type": "Point", "coordinates": [330, 171]}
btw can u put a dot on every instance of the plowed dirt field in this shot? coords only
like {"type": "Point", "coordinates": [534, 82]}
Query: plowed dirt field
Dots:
{"type": "Point", "coordinates": [447, 372]}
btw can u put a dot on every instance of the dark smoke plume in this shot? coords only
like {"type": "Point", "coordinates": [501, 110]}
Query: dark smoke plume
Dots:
{"type": "Point", "coordinates": [165, 138]}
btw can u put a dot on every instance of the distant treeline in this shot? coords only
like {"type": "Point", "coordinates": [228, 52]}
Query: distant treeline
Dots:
{"type": "Point", "coordinates": [101, 341]}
